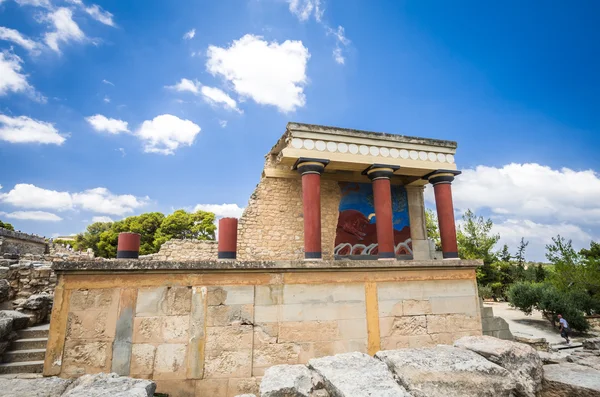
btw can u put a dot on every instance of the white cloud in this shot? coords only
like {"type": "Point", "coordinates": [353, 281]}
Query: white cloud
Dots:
{"type": "Point", "coordinates": [216, 96]}
{"type": "Point", "coordinates": [531, 190]}
{"type": "Point", "coordinates": [223, 123]}
{"type": "Point", "coordinates": [189, 35]}
{"type": "Point", "coordinates": [107, 82]}
{"type": "Point", "coordinates": [65, 29]}
{"type": "Point", "coordinates": [106, 99]}
{"type": "Point", "coordinates": [35, 3]}
{"type": "Point", "coordinates": [337, 55]}
{"type": "Point", "coordinates": [104, 124]}
{"type": "Point", "coordinates": [101, 219]}
{"type": "Point", "coordinates": [100, 15]}
{"type": "Point", "coordinates": [221, 210]}
{"type": "Point", "coordinates": [26, 130]}
{"type": "Point", "coordinates": [16, 37]}
{"type": "Point", "coordinates": [33, 216]}
{"type": "Point", "coordinates": [341, 41]}
{"type": "Point", "coordinates": [99, 200]}
{"type": "Point", "coordinates": [122, 151]}
{"type": "Point", "coordinates": [103, 201]}
{"type": "Point", "coordinates": [186, 85]}
{"type": "Point", "coordinates": [269, 73]}
{"type": "Point", "coordinates": [30, 196]}
{"type": "Point", "coordinates": [303, 9]}
{"type": "Point", "coordinates": [11, 78]}
{"type": "Point", "coordinates": [165, 133]}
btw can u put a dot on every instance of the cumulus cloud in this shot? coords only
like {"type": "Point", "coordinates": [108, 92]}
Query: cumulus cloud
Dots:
{"type": "Point", "coordinates": [189, 35]}
{"type": "Point", "coordinates": [216, 96]}
{"type": "Point", "coordinates": [33, 216]}
{"type": "Point", "coordinates": [212, 95]}
{"type": "Point", "coordinates": [269, 73]}
{"type": "Point", "coordinates": [104, 124]}
{"type": "Point", "coordinates": [16, 37]}
{"type": "Point", "coordinates": [165, 133]}
{"type": "Point", "coordinates": [99, 200]}
{"type": "Point", "coordinates": [65, 29]}
{"type": "Point", "coordinates": [532, 201]}
{"type": "Point", "coordinates": [186, 85]}
{"type": "Point", "coordinates": [100, 15]}
{"type": "Point", "coordinates": [12, 79]}
{"type": "Point", "coordinates": [103, 219]}
{"type": "Point", "coordinates": [221, 210]}
{"type": "Point", "coordinates": [23, 129]}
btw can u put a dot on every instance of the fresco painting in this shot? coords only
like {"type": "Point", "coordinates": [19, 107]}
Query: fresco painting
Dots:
{"type": "Point", "coordinates": [356, 233]}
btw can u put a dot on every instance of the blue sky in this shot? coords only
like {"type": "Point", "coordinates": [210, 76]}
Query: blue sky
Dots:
{"type": "Point", "coordinates": [114, 108]}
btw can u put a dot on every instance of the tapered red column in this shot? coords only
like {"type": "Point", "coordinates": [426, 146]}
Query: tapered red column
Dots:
{"type": "Point", "coordinates": [227, 238]}
{"type": "Point", "coordinates": [442, 189]}
{"type": "Point", "coordinates": [311, 170]}
{"type": "Point", "coordinates": [382, 197]}
{"type": "Point", "coordinates": [128, 246]}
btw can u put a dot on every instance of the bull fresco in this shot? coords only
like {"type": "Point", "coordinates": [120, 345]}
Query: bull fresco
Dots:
{"type": "Point", "coordinates": [356, 233]}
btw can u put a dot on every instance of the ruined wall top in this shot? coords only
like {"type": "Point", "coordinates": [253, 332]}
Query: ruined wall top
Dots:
{"type": "Point", "coordinates": [21, 236]}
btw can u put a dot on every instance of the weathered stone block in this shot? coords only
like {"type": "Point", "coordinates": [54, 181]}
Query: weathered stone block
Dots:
{"type": "Point", "coordinates": [267, 314]}
{"type": "Point", "coordinates": [268, 295]}
{"type": "Point", "coordinates": [412, 307]}
{"type": "Point", "coordinates": [177, 387]}
{"type": "Point", "coordinates": [352, 329]}
{"type": "Point", "coordinates": [308, 331]}
{"type": "Point", "coordinates": [94, 299]}
{"type": "Point", "coordinates": [85, 357]}
{"type": "Point", "coordinates": [179, 300]}
{"type": "Point", "coordinates": [409, 325]}
{"type": "Point", "coordinates": [147, 330]}
{"type": "Point", "coordinates": [142, 359]}
{"type": "Point", "coordinates": [175, 329]}
{"type": "Point", "coordinates": [229, 338]}
{"type": "Point", "coordinates": [231, 295]}
{"type": "Point", "coordinates": [91, 324]}
{"type": "Point", "coordinates": [265, 333]}
{"type": "Point", "coordinates": [170, 361]}
{"type": "Point", "coordinates": [228, 364]}
{"type": "Point", "coordinates": [220, 316]}
{"type": "Point", "coordinates": [322, 311]}
{"type": "Point", "coordinates": [212, 387]}
{"type": "Point", "coordinates": [453, 322]}
{"type": "Point", "coordinates": [390, 308]}
{"type": "Point", "coordinates": [267, 355]}
{"type": "Point", "coordinates": [454, 304]}
{"type": "Point", "coordinates": [246, 386]}
{"type": "Point", "coordinates": [306, 293]}
{"type": "Point", "coordinates": [151, 302]}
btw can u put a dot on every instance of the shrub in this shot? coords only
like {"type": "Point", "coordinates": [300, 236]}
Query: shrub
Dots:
{"type": "Point", "coordinates": [485, 291]}
{"type": "Point", "coordinates": [546, 298]}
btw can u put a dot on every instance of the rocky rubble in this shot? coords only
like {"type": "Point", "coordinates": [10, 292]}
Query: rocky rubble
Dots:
{"type": "Point", "coordinates": [98, 385]}
{"type": "Point", "coordinates": [476, 366]}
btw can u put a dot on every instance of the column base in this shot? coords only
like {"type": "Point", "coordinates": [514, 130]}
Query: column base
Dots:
{"type": "Point", "coordinates": [226, 255]}
{"type": "Point", "coordinates": [313, 256]}
{"type": "Point", "coordinates": [450, 255]}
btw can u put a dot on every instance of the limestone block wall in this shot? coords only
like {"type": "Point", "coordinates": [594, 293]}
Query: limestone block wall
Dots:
{"type": "Point", "coordinates": [215, 333]}
{"type": "Point", "coordinates": [494, 326]}
{"type": "Point", "coordinates": [186, 250]}
{"type": "Point", "coordinates": [21, 243]}
{"type": "Point", "coordinates": [272, 226]}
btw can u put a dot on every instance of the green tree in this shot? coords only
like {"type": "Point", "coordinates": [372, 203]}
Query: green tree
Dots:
{"type": "Point", "coordinates": [431, 224]}
{"type": "Point", "coordinates": [520, 257]}
{"type": "Point", "coordinates": [505, 255]}
{"type": "Point", "coordinates": [7, 225]}
{"type": "Point", "coordinates": [91, 237]}
{"type": "Point", "coordinates": [475, 238]}
{"type": "Point", "coordinates": [181, 224]}
{"type": "Point", "coordinates": [567, 264]}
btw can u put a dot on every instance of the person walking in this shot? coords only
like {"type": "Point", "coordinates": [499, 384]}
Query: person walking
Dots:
{"type": "Point", "coordinates": [564, 328]}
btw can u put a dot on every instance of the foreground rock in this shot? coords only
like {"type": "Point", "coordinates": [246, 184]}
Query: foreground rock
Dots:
{"type": "Point", "coordinates": [286, 381]}
{"type": "Point", "coordinates": [20, 320]}
{"type": "Point", "coordinates": [98, 385]}
{"type": "Point", "coordinates": [591, 344]}
{"type": "Point", "coordinates": [444, 371]}
{"type": "Point", "coordinates": [40, 387]}
{"type": "Point", "coordinates": [38, 308]}
{"type": "Point", "coordinates": [522, 361]}
{"type": "Point", "coordinates": [113, 385]}
{"type": "Point", "coordinates": [356, 375]}
{"type": "Point", "coordinates": [570, 380]}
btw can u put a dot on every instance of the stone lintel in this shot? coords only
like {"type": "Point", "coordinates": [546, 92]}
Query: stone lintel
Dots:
{"type": "Point", "coordinates": [124, 265]}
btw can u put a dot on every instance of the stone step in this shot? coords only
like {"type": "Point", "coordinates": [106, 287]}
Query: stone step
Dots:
{"type": "Point", "coordinates": [16, 356]}
{"type": "Point", "coordinates": [23, 367]}
{"type": "Point", "coordinates": [29, 343]}
{"type": "Point", "coordinates": [33, 332]}
{"type": "Point", "coordinates": [564, 346]}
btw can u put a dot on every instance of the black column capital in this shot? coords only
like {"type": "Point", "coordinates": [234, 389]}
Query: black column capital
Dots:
{"type": "Point", "coordinates": [306, 165]}
{"type": "Point", "coordinates": [380, 171]}
{"type": "Point", "coordinates": [441, 176]}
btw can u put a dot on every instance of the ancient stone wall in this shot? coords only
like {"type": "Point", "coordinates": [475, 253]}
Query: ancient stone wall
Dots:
{"type": "Point", "coordinates": [216, 333]}
{"type": "Point", "coordinates": [185, 250]}
{"type": "Point", "coordinates": [272, 226]}
{"type": "Point", "coordinates": [21, 243]}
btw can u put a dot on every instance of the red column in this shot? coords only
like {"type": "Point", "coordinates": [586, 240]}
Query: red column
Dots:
{"type": "Point", "coordinates": [442, 188]}
{"type": "Point", "coordinates": [382, 197]}
{"type": "Point", "coordinates": [311, 203]}
{"type": "Point", "coordinates": [227, 238]}
{"type": "Point", "coordinates": [128, 245]}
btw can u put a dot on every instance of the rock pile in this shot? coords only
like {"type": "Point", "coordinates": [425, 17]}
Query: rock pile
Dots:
{"type": "Point", "coordinates": [98, 385]}
{"type": "Point", "coordinates": [10, 322]}
{"type": "Point", "coordinates": [476, 366]}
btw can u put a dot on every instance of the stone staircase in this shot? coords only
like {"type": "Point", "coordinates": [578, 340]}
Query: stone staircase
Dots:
{"type": "Point", "coordinates": [26, 354]}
